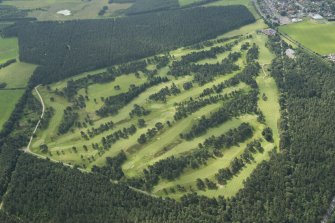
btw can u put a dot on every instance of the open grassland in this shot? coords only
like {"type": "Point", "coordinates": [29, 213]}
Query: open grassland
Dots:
{"type": "Point", "coordinates": [17, 74]}
{"type": "Point", "coordinates": [187, 2]}
{"type": "Point", "coordinates": [73, 149]}
{"type": "Point", "coordinates": [9, 49]}
{"type": "Point", "coordinates": [319, 37]}
{"type": "Point", "coordinates": [8, 100]}
{"type": "Point", "coordinates": [80, 9]}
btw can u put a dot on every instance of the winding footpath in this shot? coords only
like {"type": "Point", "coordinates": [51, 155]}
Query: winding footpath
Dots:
{"type": "Point", "coordinates": [27, 149]}
{"type": "Point", "coordinates": [330, 211]}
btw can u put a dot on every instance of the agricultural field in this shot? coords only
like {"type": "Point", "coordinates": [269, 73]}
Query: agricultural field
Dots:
{"type": "Point", "coordinates": [172, 123]}
{"type": "Point", "coordinates": [80, 9]}
{"type": "Point", "coordinates": [9, 49]}
{"type": "Point", "coordinates": [8, 100]}
{"type": "Point", "coordinates": [317, 36]}
{"type": "Point", "coordinates": [15, 76]}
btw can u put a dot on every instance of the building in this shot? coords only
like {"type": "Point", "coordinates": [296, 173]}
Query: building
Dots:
{"type": "Point", "coordinates": [290, 53]}
{"type": "Point", "coordinates": [331, 57]}
{"type": "Point", "coordinates": [316, 16]}
{"type": "Point", "coordinates": [269, 32]}
{"type": "Point", "coordinates": [296, 20]}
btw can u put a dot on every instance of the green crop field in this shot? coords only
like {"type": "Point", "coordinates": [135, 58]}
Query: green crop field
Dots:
{"type": "Point", "coordinates": [15, 75]}
{"type": "Point", "coordinates": [70, 147]}
{"type": "Point", "coordinates": [80, 9]}
{"type": "Point", "coordinates": [8, 99]}
{"type": "Point", "coordinates": [316, 36]}
{"type": "Point", "coordinates": [8, 49]}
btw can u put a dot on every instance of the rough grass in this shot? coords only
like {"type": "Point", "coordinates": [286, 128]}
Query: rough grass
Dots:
{"type": "Point", "coordinates": [319, 37]}
{"type": "Point", "coordinates": [80, 9]}
{"type": "Point", "coordinates": [17, 74]}
{"type": "Point", "coordinates": [9, 49]}
{"type": "Point", "coordinates": [187, 2]}
{"type": "Point", "coordinates": [8, 100]}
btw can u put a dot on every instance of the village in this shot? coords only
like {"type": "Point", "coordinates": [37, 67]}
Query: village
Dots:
{"type": "Point", "coordinates": [284, 12]}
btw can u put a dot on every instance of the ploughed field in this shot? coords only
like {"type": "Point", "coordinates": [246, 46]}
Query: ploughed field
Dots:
{"type": "Point", "coordinates": [198, 118]}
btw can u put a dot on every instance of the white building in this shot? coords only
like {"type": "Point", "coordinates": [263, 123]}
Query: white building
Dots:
{"type": "Point", "coordinates": [65, 12]}
{"type": "Point", "coordinates": [316, 16]}
{"type": "Point", "coordinates": [290, 53]}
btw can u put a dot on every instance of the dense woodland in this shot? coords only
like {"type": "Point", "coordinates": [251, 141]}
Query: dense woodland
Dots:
{"type": "Point", "coordinates": [100, 43]}
{"type": "Point", "coordinates": [145, 6]}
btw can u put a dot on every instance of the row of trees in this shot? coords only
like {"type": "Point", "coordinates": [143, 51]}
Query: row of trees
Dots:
{"type": "Point", "coordinates": [240, 104]}
{"type": "Point", "coordinates": [204, 73]}
{"type": "Point", "coordinates": [7, 63]}
{"type": "Point", "coordinates": [204, 54]}
{"type": "Point", "coordinates": [110, 139]}
{"type": "Point", "coordinates": [232, 137]}
{"type": "Point", "coordinates": [172, 167]}
{"type": "Point", "coordinates": [70, 117]}
{"type": "Point", "coordinates": [237, 164]}
{"type": "Point", "coordinates": [92, 132]}
{"type": "Point", "coordinates": [163, 93]}
{"type": "Point", "coordinates": [185, 108]}
{"type": "Point", "coordinates": [151, 133]}
{"type": "Point", "coordinates": [73, 86]}
{"type": "Point", "coordinates": [113, 104]}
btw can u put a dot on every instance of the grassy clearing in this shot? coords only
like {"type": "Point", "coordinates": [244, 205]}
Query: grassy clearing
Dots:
{"type": "Point", "coordinates": [9, 49]}
{"type": "Point", "coordinates": [316, 36]}
{"type": "Point", "coordinates": [80, 9]}
{"type": "Point", "coordinates": [187, 2]}
{"type": "Point", "coordinates": [8, 101]}
{"type": "Point", "coordinates": [17, 74]}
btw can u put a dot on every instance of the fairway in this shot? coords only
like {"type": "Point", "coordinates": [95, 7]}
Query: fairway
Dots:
{"type": "Point", "coordinates": [319, 37]}
{"type": "Point", "coordinates": [167, 142]}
